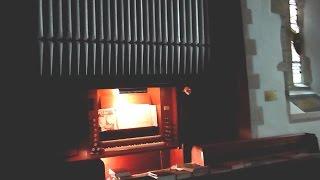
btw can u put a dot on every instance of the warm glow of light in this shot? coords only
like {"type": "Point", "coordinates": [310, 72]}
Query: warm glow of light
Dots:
{"type": "Point", "coordinates": [115, 92]}
{"type": "Point", "coordinates": [124, 111]}
{"type": "Point", "coordinates": [136, 115]}
{"type": "Point", "coordinates": [80, 155]}
{"type": "Point", "coordinates": [121, 101]}
{"type": "Point", "coordinates": [126, 116]}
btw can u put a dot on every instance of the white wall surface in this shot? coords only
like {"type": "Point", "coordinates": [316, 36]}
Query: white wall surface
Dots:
{"type": "Point", "coordinates": [312, 39]}
{"type": "Point", "coordinates": [265, 30]}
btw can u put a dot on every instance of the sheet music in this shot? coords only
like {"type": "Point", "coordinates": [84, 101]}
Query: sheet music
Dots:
{"type": "Point", "coordinates": [128, 116]}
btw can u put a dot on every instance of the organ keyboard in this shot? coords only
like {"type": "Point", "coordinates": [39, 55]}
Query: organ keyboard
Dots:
{"type": "Point", "coordinates": [123, 150]}
{"type": "Point", "coordinates": [134, 145]}
{"type": "Point", "coordinates": [135, 148]}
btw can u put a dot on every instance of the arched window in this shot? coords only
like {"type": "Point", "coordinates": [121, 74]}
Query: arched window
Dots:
{"type": "Point", "coordinates": [296, 45]}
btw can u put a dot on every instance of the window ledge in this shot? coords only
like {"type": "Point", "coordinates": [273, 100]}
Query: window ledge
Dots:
{"type": "Point", "coordinates": [296, 114]}
{"type": "Point", "coordinates": [301, 92]}
{"type": "Point", "coordinates": [306, 116]}
{"type": "Point", "coordinates": [300, 85]}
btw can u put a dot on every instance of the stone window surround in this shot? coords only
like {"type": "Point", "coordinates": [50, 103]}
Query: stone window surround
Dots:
{"type": "Point", "coordinates": [281, 7]}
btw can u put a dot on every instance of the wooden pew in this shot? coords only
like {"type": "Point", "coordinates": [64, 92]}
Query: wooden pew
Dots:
{"type": "Point", "coordinates": [254, 149]}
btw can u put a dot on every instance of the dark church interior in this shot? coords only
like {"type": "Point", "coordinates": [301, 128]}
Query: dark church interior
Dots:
{"type": "Point", "coordinates": [175, 89]}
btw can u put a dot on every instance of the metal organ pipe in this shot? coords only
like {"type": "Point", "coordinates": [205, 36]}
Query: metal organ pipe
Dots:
{"type": "Point", "coordinates": [134, 37]}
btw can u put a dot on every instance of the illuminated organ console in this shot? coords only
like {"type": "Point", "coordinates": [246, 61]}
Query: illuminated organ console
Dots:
{"type": "Point", "coordinates": [131, 121]}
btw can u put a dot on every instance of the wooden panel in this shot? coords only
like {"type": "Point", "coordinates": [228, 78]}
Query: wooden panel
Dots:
{"type": "Point", "coordinates": [108, 99]}
{"type": "Point", "coordinates": [137, 98]}
{"type": "Point", "coordinates": [136, 163]}
{"type": "Point", "coordinates": [143, 162]}
{"type": "Point", "coordinates": [176, 156]}
{"type": "Point", "coordinates": [155, 99]}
